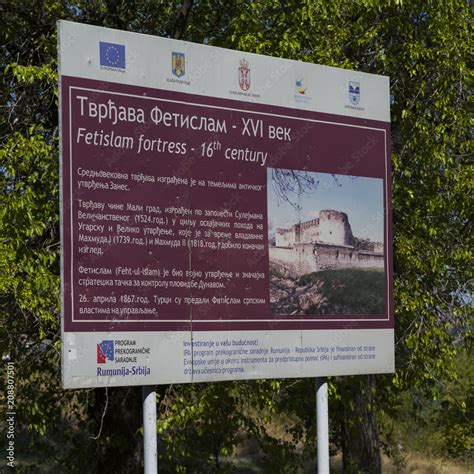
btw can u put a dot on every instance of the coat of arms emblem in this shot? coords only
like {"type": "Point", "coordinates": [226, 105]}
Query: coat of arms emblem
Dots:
{"type": "Point", "coordinates": [244, 75]}
{"type": "Point", "coordinates": [178, 66]}
{"type": "Point", "coordinates": [354, 92]}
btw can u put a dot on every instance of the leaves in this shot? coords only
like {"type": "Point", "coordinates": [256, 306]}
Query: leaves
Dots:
{"type": "Point", "coordinates": [29, 225]}
{"type": "Point", "coordinates": [422, 46]}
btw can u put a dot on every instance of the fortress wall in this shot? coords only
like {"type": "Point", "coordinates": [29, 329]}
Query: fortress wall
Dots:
{"type": "Point", "coordinates": [367, 246]}
{"type": "Point", "coordinates": [306, 261]}
{"type": "Point", "coordinates": [370, 260]}
{"type": "Point", "coordinates": [285, 238]}
{"type": "Point", "coordinates": [298, 261]}
{"type": "Point", "coordinates": [308, 258]}
{"type": "Point", "coordinates": [378, 247]}
{"type": "Point", "coordinates": [332, 258]}
{"type": "Point", "coordinates": [310, 234]}
{"type": "Point", "coordinates": [296, 234]}
{"type": "Point", "coordinates": [285, 257]}
{"type": "Point", "coordinates": [310, 223]}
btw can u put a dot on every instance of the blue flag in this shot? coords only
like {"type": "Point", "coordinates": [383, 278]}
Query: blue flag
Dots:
{"type": "Point", "coordinates": [112, 55]}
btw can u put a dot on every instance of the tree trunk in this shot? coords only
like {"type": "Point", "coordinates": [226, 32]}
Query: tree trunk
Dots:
{"type": "Point", "coordinates": [180, 24]}
{"type": "Point", "coordinates": [359, 433]}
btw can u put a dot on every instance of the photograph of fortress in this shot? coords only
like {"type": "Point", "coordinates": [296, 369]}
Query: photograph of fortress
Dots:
{"type": "Point", "coordinates": [324, 243]}
{"type": "Point", "coordinates": [326, 249]}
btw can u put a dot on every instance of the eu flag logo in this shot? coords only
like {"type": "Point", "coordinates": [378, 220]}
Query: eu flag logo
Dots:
{"type": "Point", "coordinates": [105, 351]}
{"type": "Point", "coordinates": [112, 55]}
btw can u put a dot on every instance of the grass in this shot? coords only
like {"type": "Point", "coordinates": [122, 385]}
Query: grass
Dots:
{"type": "Point", "coordinates": [353, 291]}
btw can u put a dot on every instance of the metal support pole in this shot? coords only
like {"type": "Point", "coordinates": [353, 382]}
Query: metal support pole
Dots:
{"type": "Point", "coordinates": [322, 422]}
{"type": "Point", "coordinates": [150, 456]}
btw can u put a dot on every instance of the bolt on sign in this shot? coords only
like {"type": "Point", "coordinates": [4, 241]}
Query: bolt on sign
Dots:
{"type": "Point", "coordinates": [224, 215]}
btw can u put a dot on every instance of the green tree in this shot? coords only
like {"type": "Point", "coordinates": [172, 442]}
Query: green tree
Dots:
{"type": "Point", "coordinates": [423, 48]}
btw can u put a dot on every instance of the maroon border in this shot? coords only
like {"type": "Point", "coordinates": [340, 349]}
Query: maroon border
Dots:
{"type": "Point", "coordinates": [277, 323]}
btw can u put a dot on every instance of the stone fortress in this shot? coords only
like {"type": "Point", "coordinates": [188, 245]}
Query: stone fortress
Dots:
{"type": "Point", "coordinates": [324, 243]}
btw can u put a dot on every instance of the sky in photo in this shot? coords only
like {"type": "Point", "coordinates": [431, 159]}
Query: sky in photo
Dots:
{"type": "Point", "coordinates": [359, 197]}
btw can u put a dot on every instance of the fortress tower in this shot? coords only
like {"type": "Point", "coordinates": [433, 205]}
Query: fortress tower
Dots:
{"type": "Point", "coordinates": [334, 228]}
{"type": "Point", "coordinates": [331, 227]}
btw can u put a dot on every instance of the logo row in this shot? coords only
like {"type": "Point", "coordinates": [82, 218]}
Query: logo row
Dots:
{"type": "Point", "coordinates": [112, 56]}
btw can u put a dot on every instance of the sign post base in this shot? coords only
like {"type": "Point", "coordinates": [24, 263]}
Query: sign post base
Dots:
{"type": "Point", "coordinates": [150, 456]}
{"type": "Point", "coordinates": [322, 423]}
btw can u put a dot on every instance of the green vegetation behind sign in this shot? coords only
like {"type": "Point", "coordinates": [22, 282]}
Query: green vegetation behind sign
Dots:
{"type": "Point", "coordinates": [423, 47]}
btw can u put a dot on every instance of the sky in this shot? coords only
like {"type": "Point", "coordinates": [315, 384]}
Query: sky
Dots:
{"type": "Point", "coordinates": [359, 197]}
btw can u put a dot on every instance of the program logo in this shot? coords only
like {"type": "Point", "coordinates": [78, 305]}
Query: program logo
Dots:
{"type": "Point", "coordinates": [354, 92]}
{"type": "Point", "coordinates": [105, 352]}
{"type": "Point", "coordinates": [300, 88]}
{"type": "Point", "coordinates": [301, 95]}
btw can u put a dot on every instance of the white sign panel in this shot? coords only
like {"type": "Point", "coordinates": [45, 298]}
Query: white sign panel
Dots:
{"type": "Point", "coordinates": [224, 215]}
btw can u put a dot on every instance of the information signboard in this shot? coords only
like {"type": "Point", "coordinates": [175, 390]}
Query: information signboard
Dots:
{"type": "Point", "coordinates": [224, 215]}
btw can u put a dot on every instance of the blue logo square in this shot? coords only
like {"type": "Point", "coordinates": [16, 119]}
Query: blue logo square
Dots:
{"type": "Point", "coordinates": [107, 348]}
{"type": "Point", "coordinates": [112, 55]}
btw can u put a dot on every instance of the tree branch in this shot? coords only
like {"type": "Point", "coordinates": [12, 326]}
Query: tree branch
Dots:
{"type": "Point", "coordinates": [180, 24]}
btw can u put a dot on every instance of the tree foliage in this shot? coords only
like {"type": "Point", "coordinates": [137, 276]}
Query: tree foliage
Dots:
{"type": "Point", "coordinates": [422, 46]}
